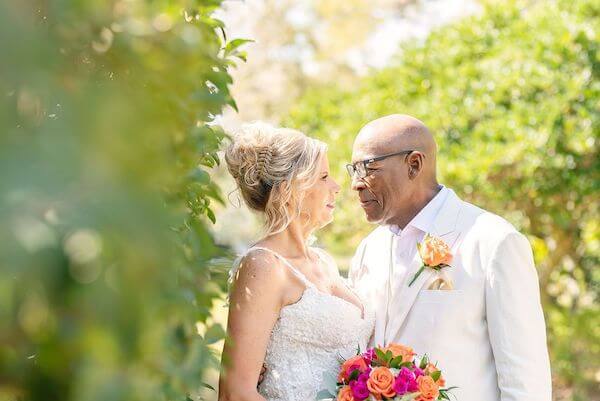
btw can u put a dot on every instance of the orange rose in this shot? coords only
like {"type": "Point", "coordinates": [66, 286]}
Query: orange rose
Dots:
{"type": "Point", "coordinates": [428, 388]}
{"type": "Point", "coordinates": [381, 382]}
{"type": "Point", "coordinates": [405, 352]}
{"type": "Point", "coordinates": [345, 394]}
{"type": "Point", "coordinates": [349, 365]}
{"type": "Point", "coordinates": [434, 251]}
{"type": "Point", "coordinates": [430, 369]}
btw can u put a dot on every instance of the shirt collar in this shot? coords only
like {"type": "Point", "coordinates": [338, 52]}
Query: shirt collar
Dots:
{"type": "Point", "coordinates": [425, 218]}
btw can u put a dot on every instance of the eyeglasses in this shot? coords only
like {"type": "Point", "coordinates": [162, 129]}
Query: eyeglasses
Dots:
{"type": "Point", "coordinates": [360, 168]}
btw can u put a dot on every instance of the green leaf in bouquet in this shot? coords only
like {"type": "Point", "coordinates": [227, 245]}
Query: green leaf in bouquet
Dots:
{"type": "Point", "coordinates": [436, 375]}
{"type": "Point", "coordinates": [354, 375]}
{"type": "Point", "coordinates": [380, 355]}
{"type": "Point", "coordinates": [388, 356]}
{"type": "Point", "coordinates": [325, 395]}
{"type": "Point", "coordinates": [405, 365]}
{"type": "Point", "coordinates": [396, 362]}
{"type": "Point", "coordinates": [444, 393]}
{"type": "Point", "coordinates": [424, 362]}
{"type": "Point", "coordinates": [330, 382]}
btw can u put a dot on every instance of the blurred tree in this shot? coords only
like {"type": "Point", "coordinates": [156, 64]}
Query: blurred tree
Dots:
{"type": "Point", "coordinates": [300, 43]}
{"type": "Point", "coordinates": [512, 97]}
{"type": "Point", "coordinates": [108, 272]}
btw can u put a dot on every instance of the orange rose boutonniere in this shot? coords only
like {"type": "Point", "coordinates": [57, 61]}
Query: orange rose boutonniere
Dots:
{"type": "Point", "coordinates": [435, 254]}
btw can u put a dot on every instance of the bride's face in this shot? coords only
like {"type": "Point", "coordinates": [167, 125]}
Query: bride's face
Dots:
{"type": "Point", "coordinates": [319, 201]}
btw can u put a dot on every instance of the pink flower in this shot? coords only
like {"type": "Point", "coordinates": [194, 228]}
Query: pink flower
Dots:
{"type": "Point", "coordinates": [359, 388]}
{"type": "Point", "coordinates": [406, 382]}
{"type": "Point", "coordinates": [413, 386]}
{"type": "Point", "coordinates": [407, 374]}
{"type": "Point", "coordinates": [400, 386]}
{"type": "Point", "coordinates": [349, 366]}
{"type": "Point", "coordinates": [363, 377]}
{"type": "Point", "coordinates": [369, 355]}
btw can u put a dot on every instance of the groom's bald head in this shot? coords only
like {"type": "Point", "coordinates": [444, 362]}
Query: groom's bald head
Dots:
{"type": "Point", "coordinates": [400, 181]}
{"type": "Point", "coordinates": [399, 132]}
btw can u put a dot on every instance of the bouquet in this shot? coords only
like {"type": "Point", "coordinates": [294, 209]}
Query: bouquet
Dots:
{"type": "Point", "coordinates": [387, 373]}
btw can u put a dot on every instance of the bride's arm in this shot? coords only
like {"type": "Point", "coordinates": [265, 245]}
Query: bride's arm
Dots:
{"type": "Point", "coordinates": [255, 301]}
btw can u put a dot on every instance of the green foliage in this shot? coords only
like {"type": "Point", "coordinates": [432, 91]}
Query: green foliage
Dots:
{"type": "Point", "coordinates": [512, 98]}
{"type": "Point", "coordinates": [354, 375]}
{"type": "Point", "coordinates": [396, 362]}
{"type": "Point", "coordinates": [108, 271]}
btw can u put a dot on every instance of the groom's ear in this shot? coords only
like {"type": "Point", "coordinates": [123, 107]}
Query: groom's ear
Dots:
{"type": "Point", "coordinates": [415, 164]}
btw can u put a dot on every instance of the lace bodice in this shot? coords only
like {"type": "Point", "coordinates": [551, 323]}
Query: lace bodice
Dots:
{"type": "Point", "coordinates": [310, 338]}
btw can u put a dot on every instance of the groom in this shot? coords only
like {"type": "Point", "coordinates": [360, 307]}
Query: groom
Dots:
{"type": "Point", "coordinates": [480, 318]}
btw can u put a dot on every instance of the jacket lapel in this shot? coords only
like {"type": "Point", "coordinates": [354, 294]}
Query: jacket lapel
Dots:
{"type": "Point", "coordinates": [404, 296]}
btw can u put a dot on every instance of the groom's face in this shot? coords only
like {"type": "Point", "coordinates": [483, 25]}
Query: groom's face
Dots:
{"type": "Point", "coordinates": [384, 189]}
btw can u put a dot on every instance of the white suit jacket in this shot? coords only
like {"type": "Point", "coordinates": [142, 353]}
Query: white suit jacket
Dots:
{"type": "Point", "coordinates": [487, 334]}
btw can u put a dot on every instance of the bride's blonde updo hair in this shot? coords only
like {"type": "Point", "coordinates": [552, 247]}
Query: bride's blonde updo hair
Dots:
{"type": "Point", "coordinates": [273, 167]}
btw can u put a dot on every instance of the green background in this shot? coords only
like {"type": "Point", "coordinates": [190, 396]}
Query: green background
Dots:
{"type": "Point", "coordinates": [110, 275]}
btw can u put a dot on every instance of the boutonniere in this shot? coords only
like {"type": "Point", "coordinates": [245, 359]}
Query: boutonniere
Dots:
{"type": "Point", "coordinates": [435, 254]}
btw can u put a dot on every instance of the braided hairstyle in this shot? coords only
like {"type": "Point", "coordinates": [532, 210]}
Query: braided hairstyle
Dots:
{"type": "Point", "coordinates": [272, 168]}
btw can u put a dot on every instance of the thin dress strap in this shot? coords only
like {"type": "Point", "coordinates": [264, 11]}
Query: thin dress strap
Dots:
{"type": "Point", "coordinates": [296, 272]}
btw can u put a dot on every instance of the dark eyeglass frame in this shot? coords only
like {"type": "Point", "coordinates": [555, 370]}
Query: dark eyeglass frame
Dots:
{"type": "Point", "coordinates": [353, 169]}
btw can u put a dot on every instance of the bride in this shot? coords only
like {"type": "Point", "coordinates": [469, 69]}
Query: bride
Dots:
{"type": "Point", "coordinates": [289, 307]}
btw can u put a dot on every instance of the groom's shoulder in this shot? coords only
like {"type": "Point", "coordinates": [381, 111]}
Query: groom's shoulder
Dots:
{"type": "Point", "coordinates": [486, 225]}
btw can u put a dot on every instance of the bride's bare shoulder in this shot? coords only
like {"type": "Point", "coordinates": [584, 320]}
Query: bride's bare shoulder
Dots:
{"type": "Point", "coordinates": [259, 267]}
{"type": "Point", "coordinates": [260, 280]}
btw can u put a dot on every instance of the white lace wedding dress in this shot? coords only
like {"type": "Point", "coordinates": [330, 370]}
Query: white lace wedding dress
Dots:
{"type": "Point", "coordinates": [310, 338]}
